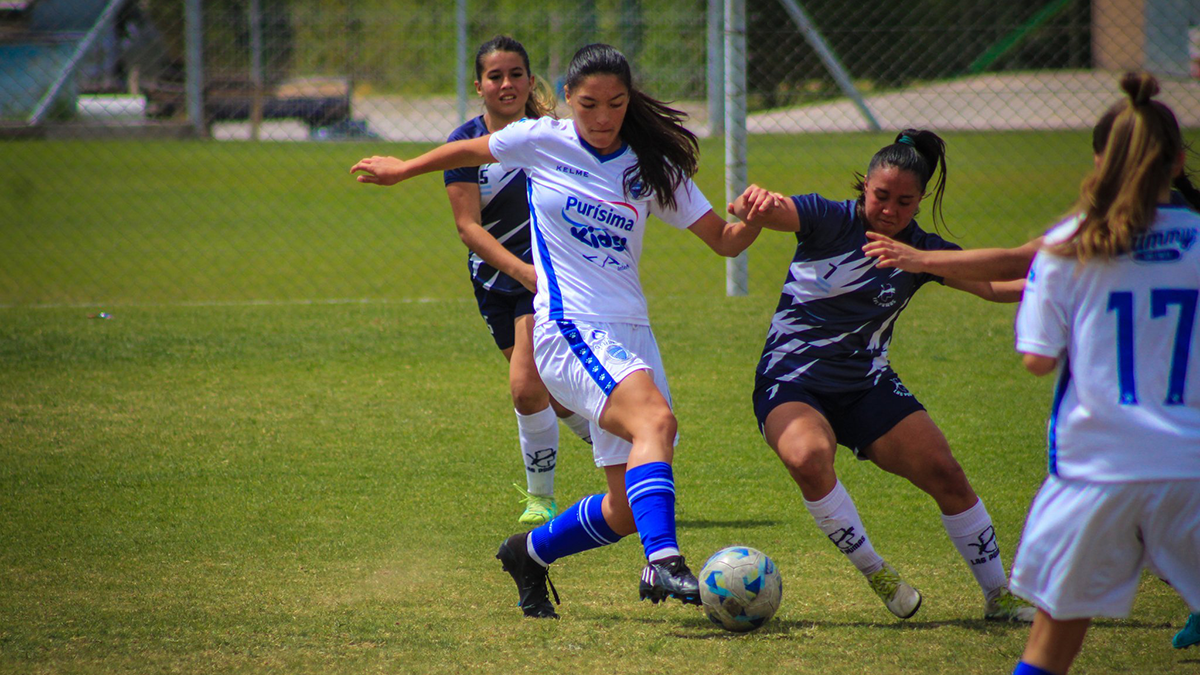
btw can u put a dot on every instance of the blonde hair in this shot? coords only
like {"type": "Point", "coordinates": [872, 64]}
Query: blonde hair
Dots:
{"type": "Point", "coordinates": [1118, 201]}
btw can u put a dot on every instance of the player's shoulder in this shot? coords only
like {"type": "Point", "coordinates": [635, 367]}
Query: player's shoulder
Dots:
{"type": "Point", "coordinates": [928, 241]}
{"type": "Point", "coordinates": [816, 203]}
{"type": "Point", "coordinates": [472, 128]}
{"type": "Point", "coordinates": [546, 131]}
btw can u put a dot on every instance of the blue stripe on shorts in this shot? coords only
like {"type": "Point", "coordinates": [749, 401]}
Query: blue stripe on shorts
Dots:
{"type": "Point", "coordinates": [584, 353]}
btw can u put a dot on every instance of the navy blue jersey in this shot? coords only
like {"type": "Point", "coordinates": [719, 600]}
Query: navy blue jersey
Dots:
{"type": "Point", "coordinates": [835, 316]}
{"type": "Point", "coordinates": [504, 212]}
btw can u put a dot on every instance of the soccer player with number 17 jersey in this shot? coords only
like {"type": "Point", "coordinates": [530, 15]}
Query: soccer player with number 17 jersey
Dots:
{"type": "Point", "coordinates": [1111, 302]}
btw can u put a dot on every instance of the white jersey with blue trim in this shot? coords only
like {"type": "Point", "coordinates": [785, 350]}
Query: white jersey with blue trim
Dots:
{"type": "Point", "coordinates": [834, 320]}
{"type": "Point", "coordinates": [1127, 405]}
{"type": "Point", "coordinates": [587, 232]}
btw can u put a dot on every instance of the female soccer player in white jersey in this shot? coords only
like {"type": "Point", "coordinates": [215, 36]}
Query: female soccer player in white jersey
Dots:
{"type": "Point", "coordinates": [824, 377]}
{"type": "Point", "coordinates": [593, 180]}
{"type": "Point", "coordinates": [491, 211]}
{"type": "Point", "coordinates": [1111, 302]}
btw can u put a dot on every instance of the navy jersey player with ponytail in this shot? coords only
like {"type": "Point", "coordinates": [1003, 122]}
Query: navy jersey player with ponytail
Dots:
{"type": "Point", "coordinates": [824, 377]}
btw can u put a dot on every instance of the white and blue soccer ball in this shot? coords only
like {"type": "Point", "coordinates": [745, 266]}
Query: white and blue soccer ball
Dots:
{"type": "Point", "coordinates": [740, 588]}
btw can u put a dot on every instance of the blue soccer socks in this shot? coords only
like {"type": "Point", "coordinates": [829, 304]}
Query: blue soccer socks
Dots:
{"type": "Point", "coordinates": [651, 491]}
{"type": "Point", "coordinates": [579, 528]}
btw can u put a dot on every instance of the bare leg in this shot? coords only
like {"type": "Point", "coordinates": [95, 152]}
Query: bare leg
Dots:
{"type": "Point", "coordinates": [1053, 645]}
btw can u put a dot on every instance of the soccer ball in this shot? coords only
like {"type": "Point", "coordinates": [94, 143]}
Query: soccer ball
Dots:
{"type": "Point", "coordinates": [740, 588]}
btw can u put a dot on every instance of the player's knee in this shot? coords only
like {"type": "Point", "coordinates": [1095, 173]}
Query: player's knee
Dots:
{"type": "Point", "coordinates": [945, 476]}
{"type": "Point", "coordinates": [806, 459]}
{"type": "Point", "coordinates": [659, 422]}
{"type": "Point", "coordinates": [529, 395]}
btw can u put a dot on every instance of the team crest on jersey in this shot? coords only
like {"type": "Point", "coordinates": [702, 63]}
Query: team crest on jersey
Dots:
{"type": "Point", "coordinates": [1167, 246]}
{"type": "Point", "coordinates": [887, 296]}
{"type": "Point", "coordinates": [899, 388]}
{"type": "Point", "coordinates": [618, 352]}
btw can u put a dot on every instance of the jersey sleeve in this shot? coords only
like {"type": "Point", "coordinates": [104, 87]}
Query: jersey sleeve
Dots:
{"type": "Point", "coordinates": [513, 146]}
{"type": "Point", "coordinates": [690, 205]}
{"type": "Point", "coordinates": [821, 220]}
{"type": "Point", "coordinates": [1041, 325]}
{"type": "Point", "coordinates": [467, 174]}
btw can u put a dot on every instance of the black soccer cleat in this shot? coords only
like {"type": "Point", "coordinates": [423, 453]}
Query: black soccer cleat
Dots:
{"type": "Point", "coordinates": [669, 578]}
{"type": "Point", "coordinates": [531, 578]}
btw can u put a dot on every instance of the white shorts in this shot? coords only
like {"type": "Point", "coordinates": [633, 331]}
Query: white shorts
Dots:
{"type": "Point", "coordinates": [1085, 545]}
{"type": "Point", "coordinates": [581, 363]}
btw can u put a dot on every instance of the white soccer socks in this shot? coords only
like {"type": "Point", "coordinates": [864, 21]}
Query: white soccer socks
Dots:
{"type": "Point", "coordinates": [975, 538]}
{"type": "Point", "coordinates": [538, 435]}
{"type": "Point", "coordinates": [838, 519]}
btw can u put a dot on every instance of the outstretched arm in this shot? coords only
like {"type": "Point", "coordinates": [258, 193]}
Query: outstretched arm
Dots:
{"type": "Point", "coordinates": [993, 291]}
{"type": "Point", "coordinates": [391, 170]}
{"type": "Point", "coordinates": [730, 239]}
{"type": "Point", "coordinates": [981, 264]}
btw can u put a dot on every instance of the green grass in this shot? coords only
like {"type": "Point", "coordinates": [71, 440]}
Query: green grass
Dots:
{"type": "Point", "coordinates": [203, 483]}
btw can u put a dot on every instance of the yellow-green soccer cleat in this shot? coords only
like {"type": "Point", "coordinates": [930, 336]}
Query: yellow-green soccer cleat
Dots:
{"type": "Point", "coordinates": [539, 509]}
{"type": "Point", "coordinates": [901, 599]}
{"type": "Point", "coordinates": [1004, 606]}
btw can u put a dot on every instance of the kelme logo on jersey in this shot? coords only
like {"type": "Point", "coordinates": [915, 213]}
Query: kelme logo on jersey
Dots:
{"type": "Point", "coordinates": [1167, 246]}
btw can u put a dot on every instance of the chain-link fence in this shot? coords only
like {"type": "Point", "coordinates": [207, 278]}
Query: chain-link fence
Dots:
{"type": "Point", "coordinates": [159, 151]}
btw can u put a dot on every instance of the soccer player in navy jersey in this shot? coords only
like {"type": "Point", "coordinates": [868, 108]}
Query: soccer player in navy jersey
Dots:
{"type": "Point", "coordinates": [824, 377]}
{"type": "Point", "coordinates": [491, 212]}
{"type": "Point", "coordinates": [1111, 304]}
{"type": "Point", "coordinates": [593, 181]}
{"type": "Point", "coordinates": [998, 264]}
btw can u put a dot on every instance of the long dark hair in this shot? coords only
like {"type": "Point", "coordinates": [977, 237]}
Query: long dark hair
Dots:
{"type": "Point", "coordinates": [1181, 183]}
{"type": "Point", "coordinates": [541, 100]}
{"type": "Point", "coordinates": [918, 151]}
{"type": "Point", "coordinates": [667, 153]}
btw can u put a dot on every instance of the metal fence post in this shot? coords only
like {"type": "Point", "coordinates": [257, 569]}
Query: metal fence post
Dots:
{"type": "Point", "coordinates": [194, 41]}
{"type": "Point", "coordinates": [716, 68]}
{"type": "Point", "coordinates": [737, 270]}
{"type": "Point", "coordinates": [460, 57]}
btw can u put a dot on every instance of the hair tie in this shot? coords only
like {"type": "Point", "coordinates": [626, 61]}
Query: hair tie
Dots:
{"type": "Point", "coordinates": [907, 140]}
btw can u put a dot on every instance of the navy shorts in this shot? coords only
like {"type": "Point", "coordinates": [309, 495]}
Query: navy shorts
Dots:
{"type": "Point", "coordinates": [500, 310]}
{"type": "Point", "coordinates": [859, 418]}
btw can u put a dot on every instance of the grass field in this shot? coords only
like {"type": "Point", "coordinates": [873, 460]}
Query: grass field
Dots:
{"type": "Point", "coordinates": [291, 448]}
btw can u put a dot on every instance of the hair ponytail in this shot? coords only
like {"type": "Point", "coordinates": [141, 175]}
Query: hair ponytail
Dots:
{"type": "Point", "coordinates": [919, 151]}
{"type": "Point", "coordinates": [1118, 201]}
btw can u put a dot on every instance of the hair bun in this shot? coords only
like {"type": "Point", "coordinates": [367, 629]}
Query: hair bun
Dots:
{"type": "Point", "coordinates": [1141, 87]}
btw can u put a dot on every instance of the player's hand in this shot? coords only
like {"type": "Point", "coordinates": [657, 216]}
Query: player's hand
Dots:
{"type": "Point", "coordinates": [380, 170]}
{"type": "Point", "coordinates": [889, 253]}
{"type": "Point", "coordinates": [754, 202]}
{"type": "Point", "coordinates": [528, 277]}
